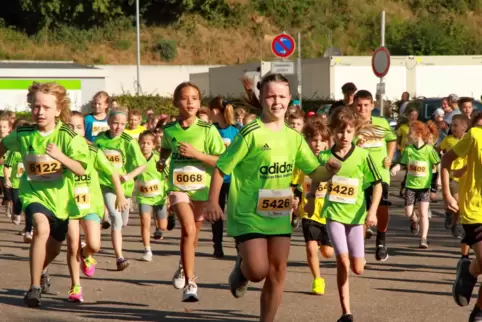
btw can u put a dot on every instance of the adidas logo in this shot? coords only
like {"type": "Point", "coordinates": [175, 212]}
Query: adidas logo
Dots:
{"type": "Point", "coordinates": [265, 147]}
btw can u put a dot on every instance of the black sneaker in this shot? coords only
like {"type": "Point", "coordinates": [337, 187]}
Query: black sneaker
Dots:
{"type": "Point", "coordinates": [45, 283]}
{"type": "Point", "coordinates": [464, 283]}
{"type": "Point", "coordinates": [33, 297]}
{"type": "Point", "coordinates": [448, 220]}
{"type": "Point", "coordinates": [346, 318]}
{"type": "Point", "coordinates": [218, 251]}
{"type": "Point", "coordinates": [381, 254]}
{"type": "Point", "coordinates": [171, 222]}
{"type": "Point", "coordinates": [158, 234]}
{"type": "Point", "coordinates": [457, 231]}
{"type": "Point", "coordinates": [238, 284]}
{"type": "Point", "coordinates": [414, 228]}
{"type": "Point", "coordinates": [476, 315]}
{"type": "Point", "coordinates": [105, 225]}
{"type": "Point", "coordinates": [122, 264]}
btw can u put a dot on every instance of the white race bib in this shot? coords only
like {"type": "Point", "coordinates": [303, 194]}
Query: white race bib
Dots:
{"type": "Point", "coordinates": [189, 178]}
{"type": "Point", "coordinates": [320, 192]}
{"type": "Point", "coordinates": [150, 188]}
{"type": "Point", "coordinates": [20, 169]}
{"type": "Point", "coordinates": [418, 168]}
{"type": "Point", "coordinates": [41, 167]}
{"type": "Point", "coordinates": [274, 203]}
{"type": "Point", "coordinates": [227, 141]}
{"type": "Point", "coordinates": [115, 157]}
{"type": "Point", "coordinates": [373, 144]}
{"type": "Point", "coordinates": [98, 127]}
{"type": "Point", "coordinates": [343, 190]}
{"type": "Point", "coordinates": [82, 197]}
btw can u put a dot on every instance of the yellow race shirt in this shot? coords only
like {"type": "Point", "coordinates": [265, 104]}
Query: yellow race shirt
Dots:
{"type": "Point", "coordinates": [304, 185]}
{"type": "Point", "coordinates": [470, 187]}
{"type": "Point", "coordinates": [447, 144]}
{"type": "Point", "coordinates": [136, 132]}
{"type": "Point", "coordinates": [402, 133]}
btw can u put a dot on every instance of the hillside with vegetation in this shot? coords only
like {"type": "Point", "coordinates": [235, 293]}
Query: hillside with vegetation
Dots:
{"type": "Point", "coordinates": [231, 31]}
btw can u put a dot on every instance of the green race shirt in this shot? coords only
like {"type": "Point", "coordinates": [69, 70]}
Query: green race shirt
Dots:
{"type": "Point", "coordinates": [345, 197]}
{"type": "Point", "coordinates": [262, 163]}
{"type": "Point", "coordinates": [151, 185]}
{"type": "Point", "coordinates": [13, 160]}
{"type": "Point", "coordinates": [419, 163]}
{"type": "Point", "coordinates": [125, 155]}
{"type": "Point", "coordinates": [188, 174]}
{"type": "Point", "coordinates": [378, 148]}
{"type": "Point", "coordinates": [46, 180]}
{"type": "Point", "coordinates": [87, 192]}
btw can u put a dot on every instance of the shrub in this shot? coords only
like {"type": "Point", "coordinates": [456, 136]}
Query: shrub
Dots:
{"type": "Point", "coordinates": [167, 49]}
{"type": "Point", "coordinates": [123, 44]}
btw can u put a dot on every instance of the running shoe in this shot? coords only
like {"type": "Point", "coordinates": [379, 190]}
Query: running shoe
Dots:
{"type": "Point", "coordinates": [158, 234]}
{"type": "Point", "coordinates": [414, 227]}
{"type": "Point", "coordinates": [218, 251]}
{"type": "Point", "coordinates": [369, 233]}
{"type": "Point", "coordinates": [88, 265]}
{"type": "Point", "coordinates": [318, 286]}
{"type": "Point", "coordinates": [346, 318]}
{"type": "Point", "coordinates": [381, 253]}
{"type": "Point", "coordinates": [16, 219]}
{"type": "Point", "coordinates": [33, 297]}
{"type": "Point", "coordinates": [238, 283]}
{"type": "Point", "coordinates": [122, 264]}
{"type": "Point", "coordinates": [457, 231]}
{"type": "Point", "coordinates": [476, 315]}
{"type": "Point", "coordinates": [179, 280]}
{"type": "Point", "coordinates": [147, 256]}
{"type": "Point", "coordinates": [27, 238]}
{"type": "Point", "coordinates": [448, 220]}
{"type": "Point", "coordinates": [189, 293]}
{"type": "Point", "coordinates": [464, 283]}
{"type": "Point", "coordinates": [8, 212]}
{"type": "Point", "coordinates": [171, 222]}
{"type": "Point", "coordinates": [45, 283]}
{"type": "Point", "coordinates": [424, 243]}
{"type": "Point", "coordinates": [75, 294]}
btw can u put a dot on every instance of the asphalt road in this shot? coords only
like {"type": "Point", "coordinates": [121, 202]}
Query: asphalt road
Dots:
{"type": "Point", "coordinates": [413, 285]}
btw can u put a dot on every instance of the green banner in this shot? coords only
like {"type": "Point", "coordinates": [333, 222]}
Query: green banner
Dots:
{"type": "Point", "coordinates": [23, 84]}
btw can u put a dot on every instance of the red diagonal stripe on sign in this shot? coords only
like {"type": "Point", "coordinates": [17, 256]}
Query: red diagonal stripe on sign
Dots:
{"type": "Point", "coordinates": [283, 45]}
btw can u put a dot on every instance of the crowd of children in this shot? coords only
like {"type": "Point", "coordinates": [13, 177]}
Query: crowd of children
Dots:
{"type": "Point", "coordinates": [261, 173]}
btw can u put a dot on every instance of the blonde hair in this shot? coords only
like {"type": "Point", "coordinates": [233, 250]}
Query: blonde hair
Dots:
{"type": "Point", "coordinates": [225, 107]}
{"type": "Point", "coordinates": [118, 110]}
{"type": "Point", "coordinates": [60, 93]}
{"type": "Point", "coordinates": [135, 113]}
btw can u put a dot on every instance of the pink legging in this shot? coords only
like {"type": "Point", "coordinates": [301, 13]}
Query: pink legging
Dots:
{"type": "Point", "coordinates": [346, 239]}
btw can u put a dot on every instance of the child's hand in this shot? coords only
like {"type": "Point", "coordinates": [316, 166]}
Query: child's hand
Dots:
{"type": "Point", "coordinates": [333, 166]}
{"type": "Point", "coordinates": [161, 165]}
{"type": "Point", "coordinates": [213, 212]}
{"type": "Point", "coordinates": [54, 152]}
{"type": "Point", "coordinates": [371, 219]}
{"type": "Point", "coordinates": [8, 183]}
{"type": "Point", "coordinates": [121, 204]}
{"type": "Point", "coordinates": [387, 163]}
{"type": "Point", "coordinates": [395, 170]}
{"type": "Point", "coordinates": [187, 150]}
{"type": "Point", "coordinates": [451, 204]}
{"type": "Point", "coordinates": [124, 178]}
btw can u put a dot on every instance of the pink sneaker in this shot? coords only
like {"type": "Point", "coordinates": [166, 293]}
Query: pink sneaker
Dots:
{"type": "Point", "coordinates": [75, 294]}
{"type": "Point", "coordinates": [88, 265]}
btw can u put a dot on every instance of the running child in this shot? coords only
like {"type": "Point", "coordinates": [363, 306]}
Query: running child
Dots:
{"type": "Point", "coordinates": [194, 147]}
{"type": "Point", "coordinates": [261, 160]}
{"type": "Point", "coordinates": [314, 225]}
{"type": "Point", "coordinates": [96, 122]}
{"type": "Point", "coordinates": [225, 122]}
{"type": "Point", "coordinates": [296, 120]}
{"type": "Point", "coordinates": [5, 128]}
{"type": "Point", "coordinates": [52, 153]}
{"type": "Point", "coordinates": [13, 171]}
{"type": "Point", "coordinates": [420, 159]}
{"type": "Point", "coordinates": [135, 128]}
{"type": "Point", "coordinates": [88, 197]}
{"type": "Point", "coordinates": [151, 194]}
{"type": "Point", "coordinates": [345, 203]}
{"type": "Point", "coordinates": [124, 153]}
{"type": "Point", "coordinates": [382, 151]}
{"type": "Point", "coordinates": [469, 208]}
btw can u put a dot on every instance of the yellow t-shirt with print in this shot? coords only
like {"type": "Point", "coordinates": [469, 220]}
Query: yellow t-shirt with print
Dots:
{"type": "Point", "coordinates": [470, 186]}
{"type": "Point", "coordinates": [304, 185]}
{"type": "Point", "coordinates": [447, 144]}
{"type": "Point", "coordinates": [402, 133]}
{"type": "Point", "coordinates": [136, 132]}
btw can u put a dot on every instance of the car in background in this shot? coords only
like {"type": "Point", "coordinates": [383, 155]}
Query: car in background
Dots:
{"type": "Point", "coordinates": [427, 106]}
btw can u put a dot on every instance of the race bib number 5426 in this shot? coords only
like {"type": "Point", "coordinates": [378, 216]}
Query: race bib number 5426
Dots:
{"type": "Point", "coordinates": [274, 203]}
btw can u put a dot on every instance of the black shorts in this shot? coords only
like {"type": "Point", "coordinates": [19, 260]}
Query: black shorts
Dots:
{"type": "Point", "coordinates": [413, 196]}
{"type": "Point", "coordinates": [471, 237]}
{"type": "Point", "coordinates": [246, 237]}
{"type": "Point", "coordinates": [7, 193]}
{"type": "Point", "coordinates": [58, 227]}
{"type": "Point", "coordinates": [433, 184]}
{"type": "Point", "coordinates": [383, 202]}
{"type": "Point", "coordinates": [313, 230]}
{"type": "Point", "coordinates": [17, 204]}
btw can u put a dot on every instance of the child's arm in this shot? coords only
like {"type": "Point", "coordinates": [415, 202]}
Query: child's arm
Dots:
{"type": "Point", "coordinates": [213, 210]}
{"type": "Point", "coordinates": [391, 146]}
{"type": "Point", "coordinates": [121, 201]}
{"type": "Point", "coordinates": [449, 199]}
{"type": "Point", "coordinates": [74, 166]}
{"type": "Point", "coordinates": [134, 173]}
{"type": "Point", "coordinates": [187, 150]}
{"type": "Point", "coordinates": [6, 174]}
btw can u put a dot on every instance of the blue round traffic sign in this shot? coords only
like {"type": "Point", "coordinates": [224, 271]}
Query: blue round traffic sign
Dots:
{"type": "Point", "coordinates": [283, 45]}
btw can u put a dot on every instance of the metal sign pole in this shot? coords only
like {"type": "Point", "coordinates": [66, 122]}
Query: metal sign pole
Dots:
{"type": "Point", "coordinates": [299, 69]}
{"type": "Point", "coordinates": [138, 49]}
{"type": "Point", "coordinates": [382, 45]}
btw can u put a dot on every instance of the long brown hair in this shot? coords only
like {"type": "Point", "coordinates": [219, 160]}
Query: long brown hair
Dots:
{"type": "Point", "coordinates": [250, 98]}
{"type": "Point", "coordinates": [225, 107]}
{"type": "Point", "coordinates": [60, 93]}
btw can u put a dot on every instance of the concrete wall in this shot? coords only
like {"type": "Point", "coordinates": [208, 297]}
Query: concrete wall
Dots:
{"type": "Point", "coordinates": [202, 81]}
{"type": "Point", "coordinates": [160, 80]}
{"type": "Point", "coordinates": [225, 81]}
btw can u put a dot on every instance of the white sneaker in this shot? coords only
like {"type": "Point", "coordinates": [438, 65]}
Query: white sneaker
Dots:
{"type": "Point", "coordinates": [147, 256]}
{"type": "Point", "coordinates": [8, 212]}
{"type": "Point", "coordinates": [179, 280]}
{"type": "Point", "coordinates": [189, 294]}
{"type": "Point", "coordinates": [27, 238]}
{"type": "Point", "coordinates": [16, 219]}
